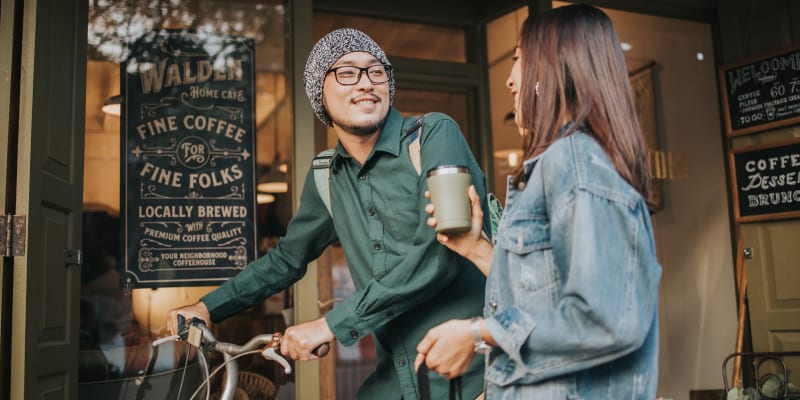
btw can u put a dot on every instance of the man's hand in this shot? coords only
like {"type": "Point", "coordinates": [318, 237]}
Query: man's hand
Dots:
{"type": "Point", "coordinates": [300, 340]}
{"type": "Point", "coordinates": [447, 348]}
{"type": "Point", "coordinates": [196, 310]}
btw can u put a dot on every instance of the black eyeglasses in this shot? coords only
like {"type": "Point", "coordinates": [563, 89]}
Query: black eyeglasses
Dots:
{"type": "Point", "coordinates": [350, 75]}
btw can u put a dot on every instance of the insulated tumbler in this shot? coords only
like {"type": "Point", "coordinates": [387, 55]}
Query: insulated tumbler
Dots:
{"type": "Point", "coordinates": [448, 185]}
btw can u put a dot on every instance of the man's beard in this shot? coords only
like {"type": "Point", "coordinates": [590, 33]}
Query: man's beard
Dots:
{"type": "Point", "coordinates": [360, 130]}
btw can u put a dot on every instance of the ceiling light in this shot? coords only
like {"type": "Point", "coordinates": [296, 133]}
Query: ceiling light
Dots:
{"type": "Point", "coordinates": [265, 198]}
{"type": "Point", "coordinates": [511, 157]}
{"type": "Point", "coordinates": [113, 106]}
{"type": "Point", "coordinates": [273, 187]}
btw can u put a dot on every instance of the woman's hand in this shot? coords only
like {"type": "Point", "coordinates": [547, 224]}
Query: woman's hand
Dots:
{"type": "Point", "coordinates": [447, 348]}
{"type": "Point", "coordinates": [473, 244]}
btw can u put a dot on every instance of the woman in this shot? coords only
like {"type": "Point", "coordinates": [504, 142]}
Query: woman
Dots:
{"type": "Point", "coordinates": [572, 295]}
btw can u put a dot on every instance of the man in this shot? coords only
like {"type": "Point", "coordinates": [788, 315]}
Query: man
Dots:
{"type": "Point", "coordinates": [406, 281]}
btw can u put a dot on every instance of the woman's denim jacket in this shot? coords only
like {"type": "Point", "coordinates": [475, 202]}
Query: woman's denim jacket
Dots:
{"type": "Point", "coordinates": [572, 296]}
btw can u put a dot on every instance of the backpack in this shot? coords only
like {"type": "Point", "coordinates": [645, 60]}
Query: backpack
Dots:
{"type": "Point", "coordinates": [322, 173]}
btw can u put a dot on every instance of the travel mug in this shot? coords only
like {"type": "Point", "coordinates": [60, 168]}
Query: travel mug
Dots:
{"type": "Point", "coordinates": [448, 185]}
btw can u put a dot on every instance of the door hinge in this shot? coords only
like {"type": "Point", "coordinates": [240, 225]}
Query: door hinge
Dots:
{"type": "Point", "coordinates": [12, 235]}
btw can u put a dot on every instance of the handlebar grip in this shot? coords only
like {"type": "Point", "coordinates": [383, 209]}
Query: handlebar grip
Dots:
{"type": "Point", "coordinates": [321, 350]}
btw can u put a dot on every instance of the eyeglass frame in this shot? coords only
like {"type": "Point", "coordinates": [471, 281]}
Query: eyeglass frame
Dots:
{"type": "Point", "coordinates": [361, 70]}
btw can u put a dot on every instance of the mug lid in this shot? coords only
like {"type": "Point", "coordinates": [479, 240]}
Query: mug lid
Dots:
{"type": "Point", "coordinates": [448, 169]}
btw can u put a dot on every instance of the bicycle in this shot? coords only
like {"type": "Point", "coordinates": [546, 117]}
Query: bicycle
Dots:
{"type": "Point", "coordinates": [197, 334]}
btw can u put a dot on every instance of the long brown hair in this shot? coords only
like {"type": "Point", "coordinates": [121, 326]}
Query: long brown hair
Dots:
{"type": "Point", "coordinates": [574, 56]}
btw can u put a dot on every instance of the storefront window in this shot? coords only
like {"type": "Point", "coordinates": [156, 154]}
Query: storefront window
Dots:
{"type": "Point", "coordinates": [401, 39]}
{"type": "Point", "coordinates": [120, 318]}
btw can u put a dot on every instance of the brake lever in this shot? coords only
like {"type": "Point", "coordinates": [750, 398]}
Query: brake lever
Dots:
{"type": "Point", "coordinates": [182, 334]}
{"type": "Point", "coordinates": [271, 353]}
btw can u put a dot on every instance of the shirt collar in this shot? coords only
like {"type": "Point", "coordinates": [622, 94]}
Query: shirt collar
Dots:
{"type": "Point", "coordinates": [389, 140]}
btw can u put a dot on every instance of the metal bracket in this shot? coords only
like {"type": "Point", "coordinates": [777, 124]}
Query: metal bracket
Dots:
{"type": "Point", "coordinates": [12, 235]}
{"type": "Point", "coordinates": [73, 257]}
{"type": "Point", "coordinates": [195, 337]}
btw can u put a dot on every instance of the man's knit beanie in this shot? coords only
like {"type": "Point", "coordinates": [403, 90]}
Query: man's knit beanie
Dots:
{"type": "Point", "coordinates": [325, 53]}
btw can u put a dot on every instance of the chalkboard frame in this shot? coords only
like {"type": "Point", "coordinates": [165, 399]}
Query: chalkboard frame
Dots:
{"type": "Point", "coordinates": [729, 130]}
{"type": "Point", "coordinates": [187, 192]}
{"type": "Point", "coordinates": [769, 216]}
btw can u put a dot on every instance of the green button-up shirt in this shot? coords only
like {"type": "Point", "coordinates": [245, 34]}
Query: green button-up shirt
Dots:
{"type": "Point", "coordinates": [406, 282]}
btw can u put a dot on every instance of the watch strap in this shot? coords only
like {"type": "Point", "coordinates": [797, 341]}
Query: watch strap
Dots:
{"type": "Point", "coordinates": [480, 345]}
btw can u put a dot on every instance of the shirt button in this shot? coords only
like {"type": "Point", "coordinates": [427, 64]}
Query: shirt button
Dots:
{"type": "Point", "coordinates": [371, 212]}
{"type": "Point", "coordinates": [521, 186]}
{"type": "Point", "coordinates": [377, 246]}
{"type": "Point", "coordinates": [493, 305]}
{"type": "Point", "coordinates": [402, 362]}
{"type": "Point", "coordinates": [362, 177]}
{"type": "Point", "coordinates": [354, 334]}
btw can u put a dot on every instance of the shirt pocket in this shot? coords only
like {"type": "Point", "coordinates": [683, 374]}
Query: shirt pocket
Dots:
{"type": "Point", "coordinates": [404, 218]}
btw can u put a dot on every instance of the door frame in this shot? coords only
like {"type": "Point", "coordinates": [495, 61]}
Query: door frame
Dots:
{"type": "Point", "coordinates": [10, 15]}
{"type": "Point", "coordinates": [44, 108]}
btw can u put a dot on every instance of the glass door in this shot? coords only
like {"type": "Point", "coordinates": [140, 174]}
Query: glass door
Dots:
{"type": "Point", "coordinates": [122, 312]}
{"type": "Point", "coordinates": [428, 61]}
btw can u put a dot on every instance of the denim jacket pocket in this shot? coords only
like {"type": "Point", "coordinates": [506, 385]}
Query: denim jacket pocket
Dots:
{"type": "Point", "coordinates": [526, 239]}
{"type": "Point", "coordinates": [523, 233]}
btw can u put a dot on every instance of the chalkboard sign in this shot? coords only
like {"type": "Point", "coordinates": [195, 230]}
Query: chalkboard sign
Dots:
{"type": "Point", "coordinates": [761, 93]}
{"type": "Point", "coordinates": [188, 138]}
{"type": "Point", "coordinates": [767, 179]}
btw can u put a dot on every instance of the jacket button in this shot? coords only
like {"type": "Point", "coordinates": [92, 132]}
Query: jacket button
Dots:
{"type": "Point", "coordinates": [402, 362]}
{"type": "Point", "coordinates": [493, 305]}
{"type": "Point", "coordinates": [371, 212]}
{"type": "Point", "coordinates": [362, 177]}
{"type": "Point", "coordinates": [377, 246]}
{"type": "Point", "coordinates": [354, 334]}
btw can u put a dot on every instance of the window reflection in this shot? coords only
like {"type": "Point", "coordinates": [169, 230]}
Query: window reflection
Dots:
{"type": "Point", "coordinates": [400, 39]}
{"type": "Point", "coordinates": [119, 325]}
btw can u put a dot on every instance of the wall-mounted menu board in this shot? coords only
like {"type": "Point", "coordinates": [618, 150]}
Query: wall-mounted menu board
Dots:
{"type": "Point", "coordinates": [761, 93]}
{"type": "Point", "coordinates": [767, 179]}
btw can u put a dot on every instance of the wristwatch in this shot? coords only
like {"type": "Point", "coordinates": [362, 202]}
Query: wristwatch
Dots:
{"type": "Point", "coordinates": [481, 346]}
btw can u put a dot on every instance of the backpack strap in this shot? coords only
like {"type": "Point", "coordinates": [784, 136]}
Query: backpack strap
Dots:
{"type": "Point", "coordinates": [321, 164]}
{"type": "Point", "coordinates": [414, 135]}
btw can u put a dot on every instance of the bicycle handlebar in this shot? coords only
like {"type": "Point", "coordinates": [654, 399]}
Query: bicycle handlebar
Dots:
{"type": "Point", "coordinates": [272, 341]}
{"type": "Point", "coordinates": [255, 342]}
{"type": "Point", "coordinates": [269, 344]}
